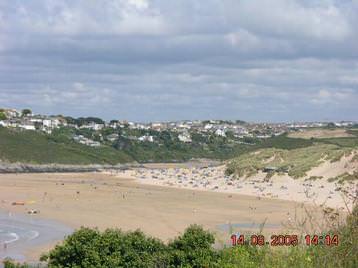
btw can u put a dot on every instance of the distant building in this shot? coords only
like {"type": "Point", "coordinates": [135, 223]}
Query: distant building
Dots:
{"type": "Point", "coordinates": [146, 138]}
{"type": "Point", "coordinates": [208, 126]}
{"type": "Point", "coordinates": [112, 137]}
{"type": "Point", "coordinates": [156, 126]}
{"type": "Point", "coordinates": [83, 140]}
{"type": "Point", "coordinates": [184, 137]}
{"type": "Point", "coordinates": [93, 126]}
{"type": "Point", "coordinates": [220, 132]}
{"type": "Point", "coordinates": [27, 126]}
{"type": "Point", "coordinates": [12, 113]}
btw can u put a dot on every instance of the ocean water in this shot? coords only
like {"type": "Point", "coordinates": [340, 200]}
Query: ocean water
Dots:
{"type": "Point", "coordinates": [20, 233]}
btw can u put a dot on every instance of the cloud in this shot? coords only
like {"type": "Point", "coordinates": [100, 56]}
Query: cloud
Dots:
{"type": "Point", "coordinates": [161, 60]}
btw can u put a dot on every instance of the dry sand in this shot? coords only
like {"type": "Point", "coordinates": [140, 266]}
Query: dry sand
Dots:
{"type": "Point", "coordinates": [318, 192]}
{"type": "Point", "coordinates": [117, 200]}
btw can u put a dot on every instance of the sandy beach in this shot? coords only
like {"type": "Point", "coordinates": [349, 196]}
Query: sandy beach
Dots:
{"type": "Point", "coordinates": [122, 201]}
{"type": "Point", "coordinates": [319, 192]}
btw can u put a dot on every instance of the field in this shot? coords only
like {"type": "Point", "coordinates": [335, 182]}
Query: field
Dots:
{"type": "Point", "coordinates": [321, 133]}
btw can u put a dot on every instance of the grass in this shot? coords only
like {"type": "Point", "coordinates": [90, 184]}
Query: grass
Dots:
{"type": "Point", "coordinates": [285, 142]}
{"type": "Point", "coordinates": [345, 177]}
{"type": "Point", "coordinates": [38, 148]}
{"type": "Point", "coordinates": [296, 161]}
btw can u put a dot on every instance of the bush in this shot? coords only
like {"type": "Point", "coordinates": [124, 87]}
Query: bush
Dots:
{"type": "Point", "coordinates": [112, 248]}
{"type": "Point", "coordinates": [193, 249]}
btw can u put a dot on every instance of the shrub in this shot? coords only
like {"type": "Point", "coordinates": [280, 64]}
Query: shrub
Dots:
{"type": "Point", "coordinates": [193, 249]}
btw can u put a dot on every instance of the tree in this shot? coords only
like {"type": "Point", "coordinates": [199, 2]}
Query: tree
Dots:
{"type": "Point", "coordinates": [2, 116]}
{"type": "Point", "coordinates": [26, 112]}
{"type": "Point", "coordinates": [193, 248]}
{"type": "Point", "coordinates": [112, 248]}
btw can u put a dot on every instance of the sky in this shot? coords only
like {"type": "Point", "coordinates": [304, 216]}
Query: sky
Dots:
{"type": "Point", "coordinates": [160, 60]}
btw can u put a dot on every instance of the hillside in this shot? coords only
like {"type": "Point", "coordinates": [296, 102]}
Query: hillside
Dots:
{"type": "Point", "coordinates": [337, 157]}
{"type": "Point", "coordinates": [38, 148]}
{"type": "Point", "coordinates": [35, 147]}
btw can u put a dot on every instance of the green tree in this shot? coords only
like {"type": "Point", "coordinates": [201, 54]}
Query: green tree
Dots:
{"type": "Point", "coordinates": [2, 116]}
{"type": "Point", "coordinates": [193, 249]}
{"type": "Point", "coordinates": [112, 248]}
{"type": "Point", "coordinates": [26, 112]}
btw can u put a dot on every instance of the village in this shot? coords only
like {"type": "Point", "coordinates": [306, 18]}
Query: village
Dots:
{"type": "Point", "coordinates": [25, 119]}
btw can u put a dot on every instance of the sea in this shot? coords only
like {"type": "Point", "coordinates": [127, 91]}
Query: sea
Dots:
{"type": "Point", "coordinates": [21, 233]}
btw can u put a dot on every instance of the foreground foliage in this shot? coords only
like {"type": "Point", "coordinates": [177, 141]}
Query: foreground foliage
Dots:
{"type": "Point", "coordinates": [114, 248]}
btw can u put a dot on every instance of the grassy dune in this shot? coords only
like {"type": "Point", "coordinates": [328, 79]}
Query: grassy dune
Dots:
{"type": "Point", "coordinates": [296, 161]}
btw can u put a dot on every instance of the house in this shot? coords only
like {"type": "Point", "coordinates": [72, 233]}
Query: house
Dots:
{"type": "Point", "coordinates": [112, 137]}
{"type": "Point", "coordinates": [27, 125]}
{"type": "Point", "coordinates": [208, 126]}
{"type": "Point", "coordinates": [184, 137]}
{"type": "Point", "coordinates": [83, 140]}
{"type": "Point", "coordinates": [93, 125]}
{"type": "Point", "coordinates": [220, 132]}
{"type": "Point", "coordinates": [51, 123]}
{"type": "Point", "coordinates": [156, 126]}
{"type": "Point", "coordinates": [146, 138]}
{"type": "Point", "coordinates": [12, 113]}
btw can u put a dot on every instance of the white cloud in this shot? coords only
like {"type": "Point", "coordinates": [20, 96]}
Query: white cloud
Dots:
{"type": "Point", "coordinates": [287, 18]}
{"type": "Point", "coordinates": [337, 96]}
{"type": "Point", "coordinates": [141, 4]}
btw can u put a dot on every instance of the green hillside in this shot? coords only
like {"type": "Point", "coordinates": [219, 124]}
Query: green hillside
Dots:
{"type": "Point", "coordinates": [37, 148]}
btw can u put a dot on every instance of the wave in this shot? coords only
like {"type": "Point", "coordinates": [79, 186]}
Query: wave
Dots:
{"type": "Point", "coordinates": [14, 236]}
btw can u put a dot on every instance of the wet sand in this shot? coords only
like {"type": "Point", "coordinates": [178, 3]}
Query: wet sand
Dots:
{"type": "Point", "coordinates": [104, 200]}
{"type": "Point", "coordinates": [20, 234]}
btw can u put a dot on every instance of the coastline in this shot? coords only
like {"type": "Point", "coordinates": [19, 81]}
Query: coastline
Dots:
{"type": "Point", "coordinates": [9, 168]}
{"type": "Point", "coordinates": [107, 201]}
{"type": "Point", "coordinates": [23, 237]}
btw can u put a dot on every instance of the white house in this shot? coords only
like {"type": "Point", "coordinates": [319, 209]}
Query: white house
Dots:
{"type": "Point", "coordinates": [146, 138]}
{"type": "Point", "coordinates": [185, 137]}
{"type": "Point", "coordinates": [12, 113]}
{"type": "Point", "coordinates": [220, 132]}
{"type": "Point", "coordinates": [51, 122]}
{"type": "Point", "coordinates": [208, 126]}
{"type": "Point", "coordinates": [93, 126]}
{"type": "Point", "coordinates": [27, 126]}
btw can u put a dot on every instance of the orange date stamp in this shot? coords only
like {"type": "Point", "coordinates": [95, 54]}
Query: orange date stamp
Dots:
{"type": "Point", "coordinates": [284, 240]}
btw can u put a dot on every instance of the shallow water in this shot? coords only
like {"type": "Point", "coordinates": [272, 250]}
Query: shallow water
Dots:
{"type": "Point", "coordinates": [20, 233]}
